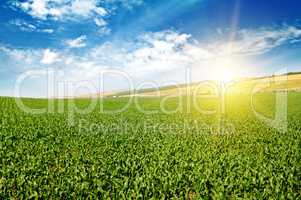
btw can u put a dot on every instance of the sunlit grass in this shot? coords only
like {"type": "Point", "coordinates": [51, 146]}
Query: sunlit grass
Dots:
{"type": "Point", "coordinates": [43, 156]}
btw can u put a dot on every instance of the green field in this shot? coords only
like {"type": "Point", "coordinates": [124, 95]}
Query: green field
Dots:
{"type": "Point", "coordinates": [132, 155]}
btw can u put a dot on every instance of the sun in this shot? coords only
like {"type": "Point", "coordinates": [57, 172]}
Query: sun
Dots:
{"type": "Point", "coordinates": [226, 69]}
{"type": "Point", "coordinates": [226, 75]}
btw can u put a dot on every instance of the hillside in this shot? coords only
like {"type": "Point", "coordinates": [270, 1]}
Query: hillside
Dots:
{"type": "Point", "coordinates": [290, 81]}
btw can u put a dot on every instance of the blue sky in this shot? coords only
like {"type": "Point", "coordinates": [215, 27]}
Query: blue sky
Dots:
{"type": "Point", "coordinates": [151, 41]}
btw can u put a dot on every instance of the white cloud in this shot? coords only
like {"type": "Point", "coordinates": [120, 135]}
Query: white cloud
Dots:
{"type": "Point", "coordinates": [129, 4]}
{"type": "Point", "coordinates": [104, 31]}
{"type": "Point", "coordinates": [85, 8]}
{"type": "Point", "coordinates": [61, 9]}
{"type": "Point", "coordinates": [100, 22]}
{"type": "Point", "coordinates": [257, 41]}
{"type": "Point", "coordinates": [160, 51]}
{"type": "Point", "coordinates": [49, 57]}
{"type": "Point", "coordinates": [17, 55]}
{"type": "Point", "coordinates": [72, 10]}
{"type": "Point", "coordinates": [23, 25]}
{"type": "Point", "coordinates": [28, 27]}
{"type": "Point", "coordinates": [77, 43]}
{"type": "Point", "coordinates": [47, 30]}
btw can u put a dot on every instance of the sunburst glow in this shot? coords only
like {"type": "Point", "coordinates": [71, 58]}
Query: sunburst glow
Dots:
{"type": "Point", "coordinates": [226, 75]}
{"type": "Point", "coordinates": [226, 69]}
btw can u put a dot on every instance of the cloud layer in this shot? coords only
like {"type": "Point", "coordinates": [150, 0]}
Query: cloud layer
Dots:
{"type": "Point", "coordinates": [259, 41]}
{"type": "Point", "coordinates": [61, 9]}
{"type": "Point", "coordinates": [29, 27]}
{"type": "Point", "coordinates": [71, 11]}
{"type": "Point", "coordinates": [77, 43]}
{"type": "Point", "coordinates": [155, 52]}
